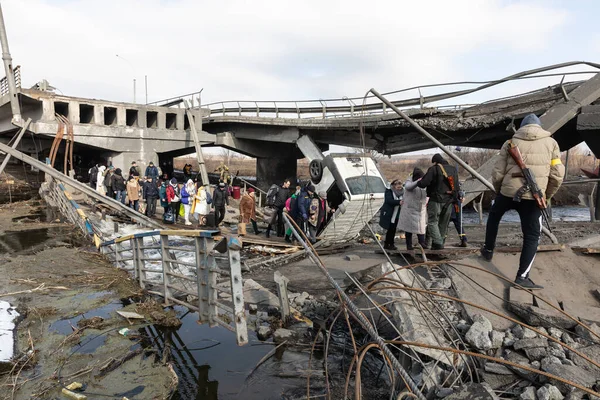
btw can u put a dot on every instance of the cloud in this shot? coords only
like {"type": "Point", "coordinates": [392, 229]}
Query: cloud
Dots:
{"type": "Point", "coordinates": [269, 49]}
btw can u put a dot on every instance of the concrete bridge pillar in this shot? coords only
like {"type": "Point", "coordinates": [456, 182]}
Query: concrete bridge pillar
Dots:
{"type": "Point", "coordinates": [272, 170]}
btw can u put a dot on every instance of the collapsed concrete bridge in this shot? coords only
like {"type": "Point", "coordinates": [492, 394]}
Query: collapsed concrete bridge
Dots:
{"type": "Point", "coordinates": [126, 132]}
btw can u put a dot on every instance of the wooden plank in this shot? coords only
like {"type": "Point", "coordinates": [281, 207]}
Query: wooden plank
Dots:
{"type": "Point", "coordinates": [189, 233]}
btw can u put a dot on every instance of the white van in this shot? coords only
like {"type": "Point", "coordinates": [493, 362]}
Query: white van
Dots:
{"type": "Point", "coordinates": [355, 189]}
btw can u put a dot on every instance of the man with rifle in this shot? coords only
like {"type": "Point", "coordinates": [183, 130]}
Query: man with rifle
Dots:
{"type": "Point", "coordinates": [526, 175]}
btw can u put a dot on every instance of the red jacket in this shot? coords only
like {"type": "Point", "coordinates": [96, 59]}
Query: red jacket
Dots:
{"type": "Point", "coordinates": [170, 193]}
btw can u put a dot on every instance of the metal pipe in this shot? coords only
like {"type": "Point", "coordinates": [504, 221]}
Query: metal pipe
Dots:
{"type": "Point", "coordinates": [15, 143]}
{"type": "Point", "coordinates": [357, 313]}
{"type": "Point", "coordinates": [466, 166]}
{"type": "Point", "coordinates": [8, 69]}
{"type": "Point", "coordinates": [581, 181]}
{"type": "Point", "coordinates": [439, 144]}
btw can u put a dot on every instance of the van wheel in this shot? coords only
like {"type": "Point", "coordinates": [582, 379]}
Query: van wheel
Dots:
{"type": "Point", "coordinates": [315, 168]}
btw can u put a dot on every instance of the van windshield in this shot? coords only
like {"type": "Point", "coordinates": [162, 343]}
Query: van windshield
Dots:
{"type": "Point", "coordinates": [365, 184]}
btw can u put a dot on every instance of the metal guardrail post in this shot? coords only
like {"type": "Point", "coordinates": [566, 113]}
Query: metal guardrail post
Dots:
{"type": "Point", "coordinates": [257, 110]}
{"type": "Point", "coordinates": [134, 256]}
{"type": "Point", "coordinates": [164, 253]}
{"type": "Point", "coordinates": [117, 254]}
{"type": "Point", "coordinates": [139, 255]}
{"type": "Point", "coordinates": [201, 278]}
{"type": "Point", "coordinates": [211, 281]}
{"type": "Point", "coordinates": [276, 110]}
{"type": "Point", "coordinates": [237, 290]}
{"type": "Point", "coordinates": [284, 302]}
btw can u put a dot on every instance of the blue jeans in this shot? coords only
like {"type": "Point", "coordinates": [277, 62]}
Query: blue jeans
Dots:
{"type": "Point", "coordinates": [121, 194]}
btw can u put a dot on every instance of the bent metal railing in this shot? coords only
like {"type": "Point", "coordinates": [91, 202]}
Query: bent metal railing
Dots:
{"type": "Point", "coordinates": [181, 267]}
{"type": "Point", "coordinates": [353, 106]}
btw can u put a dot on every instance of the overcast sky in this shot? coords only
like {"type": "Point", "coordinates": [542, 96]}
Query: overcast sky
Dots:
{"type": "Point", "coordinates": [284, 50]}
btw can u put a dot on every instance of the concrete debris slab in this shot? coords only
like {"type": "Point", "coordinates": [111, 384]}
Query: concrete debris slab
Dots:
{"type": "Point", "coordinates": [129, 315]}
{"type": "Point", "coordinates": [528, 394]}
{"type": "Point", "coordinates": [549, 360]}
{"type": "Point", "coordinates": [7, 326]}
{"type": "Point", "coordinates": [530, 343]}
{"type": "Point", "coordinates": [281, 335]}
{"type": "Point", "coordinates": [583, 312]}
{"type": "Point", "coordinates": [474, 391]}
{"type": "Point", "coordinates": [571, 373]}
{"type": "Point", "coordinates": [497, 339]}
{"type": "Point", "coordinates": [549, 392]}
{"type": "Point", "coordinates": [497, 382]}
{"type": "Point", "coordinates": [523, 333]}
{"type": "Point", "coordinates": [586, 334]}
{"type": "Point", "coordinates": [536, 353]}
{"type": "Point", "coordinates": [536, 316]}
{"type": "Point", "coordinates": [351, 257]}
{"type": "Point", "coordinates": [498, 369]}
{"type": "Point", "coordinates": [411, 321]}
{"type": "Point", "coordinates": [478, 334]}
{"type": "Point", "coordinates": [520, 296]}
{"type": "Point", "coordinates": [593, 352]}
{"type": "Point", "coordinates": [263, 332]}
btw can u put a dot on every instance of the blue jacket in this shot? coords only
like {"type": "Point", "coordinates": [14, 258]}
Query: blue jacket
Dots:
{"type": "Point", "coordinates": [152, 171]}
{"type": "Point", "coordinates": [185, 196]}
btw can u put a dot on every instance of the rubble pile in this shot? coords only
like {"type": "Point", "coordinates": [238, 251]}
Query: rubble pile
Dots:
{"type": "Point", "coordinates": [525, 347]}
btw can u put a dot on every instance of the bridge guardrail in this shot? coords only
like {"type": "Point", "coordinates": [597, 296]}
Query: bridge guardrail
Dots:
{"type": "Point", "coordinates": [180, 267]}
{"type": "Point", "coordinates": [358, 106]}
{"type": "Point", "coordinates": [4, 81]}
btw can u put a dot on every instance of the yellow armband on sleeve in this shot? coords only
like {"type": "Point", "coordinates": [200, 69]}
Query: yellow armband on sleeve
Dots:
{"type": "Point", "coordinates": [555, 161]}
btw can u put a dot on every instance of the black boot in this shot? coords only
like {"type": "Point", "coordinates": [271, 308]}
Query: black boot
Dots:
{"type": "Point", "coordinates": [486, 254]}
{"type": "Point", "coordinates": [255, 227]}
{"type": "Point", "coordinates": [268, 234]}
{"type": "Point", "coordinates": [288, 239]}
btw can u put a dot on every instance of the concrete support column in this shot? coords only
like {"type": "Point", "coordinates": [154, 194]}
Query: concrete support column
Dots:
{"type": "Point", "coordinates": [274, 170]}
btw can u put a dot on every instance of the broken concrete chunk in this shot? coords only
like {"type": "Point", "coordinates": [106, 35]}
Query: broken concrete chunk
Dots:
{"type": "Point", "coordinates": [592, 352]}
{"type": "Point", "coordinates": [252, 307]}
{"type": "Point", "coordinates": [567, 339]}
{"type": "Point", "coordinates": [555, 332]}
{"type": "Point", "coordinates": [497, 339]}
{"type": "Point", "coordinates": [536, 353]}
{"type": "Point", "coordinates": [549, 392]}
{"type": "Point", "coordinates": [586, 334]}
{"type": "Point", "coordinates": [478, 335]}
{"type": "Point", "coordinates": [473, 391]}
{"type": "Point", "coordinates": [549, 360]}
{"type": "Point", "coordinates": [531, 343]}
{"type": "Point", "coordinates": [536, 316]}
{"type": "Point", "coordinates": [556, 352]}
{"type": "Point", "coordinates": [523, 333]}
{"type": "Point", "coordinates": [281, 335]}
{"type": "Point", "coordinates": [573, 374]}
{"type": "Point", "coordinates": [528, 393]}
{"type": "Point", "coordinates": [263, 332]}
{"type": "Point", "coordinates": [351, 257]}
{"type": "Point", "coordinates": [498, 369]}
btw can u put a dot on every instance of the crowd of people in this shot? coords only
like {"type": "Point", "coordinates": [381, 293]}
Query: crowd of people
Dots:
{"type": "Point", "coordinates": [422, 206]}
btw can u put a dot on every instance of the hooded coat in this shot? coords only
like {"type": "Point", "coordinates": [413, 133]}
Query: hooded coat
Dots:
{"type": "Point", "coordinates": [540, 153]}
{"type": "Point", "coordinates": [200, 205]}
{"type": "Point", "coordinates": [413, 213]}
{"type": "Point", "coordinates": [387, 209]}
{"type": "Point", "coordinates": [247, 208]}
{"type": "Point", "coordinates": [187, 192]}
{"type": "Point", "coordinates": [117, 182]}
{"type": "Point", "coordinates": [100, 180]}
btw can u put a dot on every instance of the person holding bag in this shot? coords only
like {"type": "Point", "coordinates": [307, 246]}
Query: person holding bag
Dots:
{"type": "Point", "coordinates": [174, 198]}
{"type": "Point", "coordinates": [187, 196]}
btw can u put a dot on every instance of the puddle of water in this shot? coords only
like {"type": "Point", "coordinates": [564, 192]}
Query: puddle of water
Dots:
{"type": "Point", "coordinates": [211, 365]}
{"type": "Point", "coordinates": [18, 241]}
{"type": "Point", "coordinates": [63, 326]}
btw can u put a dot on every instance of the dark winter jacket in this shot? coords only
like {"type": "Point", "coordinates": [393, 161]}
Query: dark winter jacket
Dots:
{"type": "Point", "coordinates": [303, 205]}
{"type": "Point", "coordinates": [220, 197]}
{"type": "Point", "coordinates": [438, 188]}
{"type": "Point", "coordinates": [108, 181]}
{"type": "Point", "coordinates": [281, 197]}
{"type": "Point", "coordinates": [152, 172]}
{"type": "Point", "coordinates": [150, 190]}
{"type": "Point", "coordinates": [117, 182]}
{"type": "Point", "coordinates": [93, 172]}
{"type": "Point", "coordinates": [133, 171]}
{"type": "Point", "coordinates": [387, 209]}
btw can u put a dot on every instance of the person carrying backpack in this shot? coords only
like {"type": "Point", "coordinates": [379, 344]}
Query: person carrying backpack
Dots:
{"type": "Point", "coordinates": [439, 181]}
{"type": "Point", "coordinates": [276, 197]}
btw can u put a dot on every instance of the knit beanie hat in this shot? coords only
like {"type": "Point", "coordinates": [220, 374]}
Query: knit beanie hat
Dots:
{"type": "Point", "coordinates": [437, 158]}
{"type": "Point", "coordinates": [531, 119]}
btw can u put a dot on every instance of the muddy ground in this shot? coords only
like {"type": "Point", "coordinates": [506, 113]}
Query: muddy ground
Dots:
{"type": "Point", "coordinates": [67, 295]}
